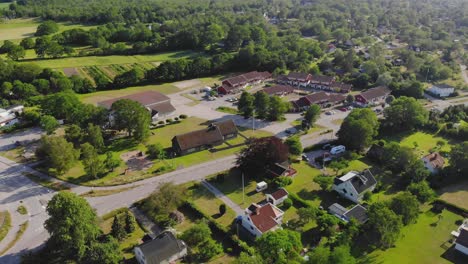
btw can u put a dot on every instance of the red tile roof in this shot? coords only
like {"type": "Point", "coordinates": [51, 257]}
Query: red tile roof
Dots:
{"type": "Point", "coordinates": [436, 160]}
{"type": "Point", "coordinates": [280, 193]}
{"type": "Point", "coordinates": [264, 218]}
{"type": "Point", "coordinates": [279, 89]}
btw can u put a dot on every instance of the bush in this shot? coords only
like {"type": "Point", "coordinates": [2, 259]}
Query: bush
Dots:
{"type": "Point", "coordinates": [183, 116]}
{"type": "Point", "coordinates": [161, 122]}
{"type": "Point", "coordinates": [222, 209]}
{"type": "Point", "coordinates": [169, 120]}
{"type": "Point", "coordinates": [367, 196]}
{"type": "Point", "coordinates": [176, 118]}
{"type": "Point", "coordinates": [287, 203]}
{"type": "Point", "coordinates": [282, 181]}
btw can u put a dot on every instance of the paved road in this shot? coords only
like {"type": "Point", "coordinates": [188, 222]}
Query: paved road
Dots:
{"type": "Point", "coordinates": [7, 141]}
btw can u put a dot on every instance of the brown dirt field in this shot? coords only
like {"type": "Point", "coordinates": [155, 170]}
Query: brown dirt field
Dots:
{"type": "Point", "coordinates": [456, 194]}
{"type": "Point", "coordinates": [136, 162]}
{"type": "Point", "coordinates": [71, 71]}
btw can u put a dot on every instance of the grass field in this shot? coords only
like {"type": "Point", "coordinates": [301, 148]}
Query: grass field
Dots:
{"type": "Point", "coordinates": [4, 5]}
{"type": "Point", "coordinates": [456, 194]}
{"type": "Point", "coordinates": [420, 243]}
{"type": "Point", "coordinates": [108, 60]}
{"type": "Point", "coordinates": [424, 142]}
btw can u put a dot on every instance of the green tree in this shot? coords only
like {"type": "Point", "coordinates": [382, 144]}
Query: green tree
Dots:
{"type": "Point", "coordinates": [245, 258]}
{"type": "Point", "coordinates": [163, 201]}
{"type": "Point", "coordinates": [110, 163]}
{"type": "Point", "coordinates": [27, 43]}
{"type": "Point", "coordinates": [307, 214]}
{"type": "Point", "coordinates": [358, 129]}
{"type": "Point", "coordinates": [197, 234]}
{"type": "Point", "coordinates": [208, 249]}
{"type": "Point", "coordinates": [72, 225]}
{"type": "Point", "coordinates": [338, 165]}
{"type": "Point", "coordinates": [294, 144]}
{"type": "Point", "coordinates": [133, 117]}
{"type": "Point", "coordinates": [278, 108]}
{"type": "Point", "coordinates": [327, 223]}
{"type": "Point", "coordinates": [319, 255]}
{"type": "Point", "coordinates": [156, 151]}
{"type": "Point", "coordinates": [105, 252]}
{"type": "Point", "coordinates": [262, 104]}
{"type": "Point", "coordinates": [422, 191]}
{"type": "Point", "coordinates": [57, 153]}
{"type": "Point", "coordinates": [407, 206]}
{"type": "Point", "coordinates": [130, 222]}
{"type": "Point", "coordinates": [16, 52]}
{"type": "Point", "coordinates": [118, 229]}
{"type": "Point", "coordinates": [342, 255]}
{"type": "Point", "coordinates": [279, 247]}
{"type": "Point", "coordinates": [350, 99]}
{"type": "Point", "coordinates": [325, 182]}
{"type": "Point", "coordinates": [94, 137]}
{"type": "Point", "coordinates": [384, 224]}
{"type": "Point", "coordinates": [246, 105]}
{"type": "Point", "coordinates": [93, 165]}
{"type": "Point", "coordinates": [405, 113]}
{"type": "Point", "coordinates": [74, 134]}
{"type": "Point", "coordinates": [222, 209]}
{"type": "Point", "coordinates": [47, 28]}
{"type": "Point", "coordinates": [49, 124]}
{"type": "Point", "coordinates": [312, 114]}
{"type": "Point", "coordinates": [459, 158]}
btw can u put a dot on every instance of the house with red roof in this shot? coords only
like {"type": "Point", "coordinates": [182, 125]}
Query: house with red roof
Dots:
{"type": "Point", "coordinates": [372, 96]}
{"type": "Point", "coordinates": [259, 219]}
{"type": "Point", "coordinates": [434, 162]}
{"type": "Point", "coordinates": [277, 197]}
{"type": "Point", "coordinates": [237, 83]}
{"type": "Point", "coordinates": [321, 98]}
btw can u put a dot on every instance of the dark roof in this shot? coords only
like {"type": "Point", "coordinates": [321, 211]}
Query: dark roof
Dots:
{"type": "Point", "coordinates": [322, 79]}
{"type": "Point", "coordinates": [264, 217]}
{"type": "Point", "coordinates": [247, 77]}
{"type": "Point", "coordinates": [236, 80]}
{"type": "Point", "coordinates": [363, 181]}
{"type": "Point", "coordinates": [278, 169]}
{"type": "Point", "coordinates": [343, 87]}
{"type": "Point", "coordinates": [358, 212]}
{"type": "Point", "coordinates": [299, 76]}
{"type": "Point", "coordinates": [462, 239]}
{"type": "Point", "coordinates": [280, 193]}
{"type": "Point", "coordinates": [443, 86]}
{"type": "Point", "coordinates": [376, 92]}
{"type": "Point", "coordinates": [337, 208]}
{"type": "Point", "coordinates": [162, 108]}
{"type": "Point", "coordinates": [323, 97]}
{"type": "Point", "coordinates": [146, 98]}
{"type": "Point", "coordinates": [162, 248]}
{"type": "Point", "coordinates": [207, 136]}
{"type": "Point", "coordinates": [226, 127]}
{"type": "Point", "coordinates": [278, 89]}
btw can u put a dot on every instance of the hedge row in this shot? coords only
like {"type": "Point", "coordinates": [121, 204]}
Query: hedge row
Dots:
{"type": "Point", "coordinates": [452, 207]}
{"type": "Point", "coordinates": [298, 201]}
{"type": "Point", "coordinates": [215, 226]}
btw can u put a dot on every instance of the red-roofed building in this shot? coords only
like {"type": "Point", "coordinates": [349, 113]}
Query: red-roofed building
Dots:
{"type": "Point", "coordinates": [295, 79]}
{"type": "Point", "coordinates": [259, 219]}
{"type": "Point", "coordinates": [277, 197]}
{"type": "Point", "coordinates": [237, 83]}
{"type": "Point", "coordinates": [321, 98]}
{"type": "Point", "coordinates": [279, 90]}
{"type": "Point", "coordinates": [434, 162]}
{"type": "Point", "coordinates": [372, 96]}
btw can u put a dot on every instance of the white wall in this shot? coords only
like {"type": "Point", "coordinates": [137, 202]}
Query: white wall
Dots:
{"type": "Point", "coordinates": [350, 194]}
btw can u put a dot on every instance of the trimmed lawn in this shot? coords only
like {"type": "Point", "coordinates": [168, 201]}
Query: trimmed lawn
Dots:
{"type": "Point", "coordinates": [456, 194]}
{"type": "Point", "coordinates": [112, 59]}
{"type": "Point", "coordinates": [126, 245]}
{"type": "Point", "coordinates": [423, 142]}
{"type": "Point", "coordinates": [4, 5]}
{"type": "Point", "coordinates": [228, 110]}
{"type": "Point", "coordinates": [423, 242]}
{"type": "Point", "coordinates": [303, 181]}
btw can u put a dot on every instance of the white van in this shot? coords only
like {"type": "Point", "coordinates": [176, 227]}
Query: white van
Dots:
{"type": "Point", "coordinates": [337, 149]}
{"type": "Point", "coordinates": [261, 186]}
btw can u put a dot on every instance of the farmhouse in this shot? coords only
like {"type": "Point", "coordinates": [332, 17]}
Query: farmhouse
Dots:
{"type": "Point", "coordinates": [358, 212]}
{"type": "Point", "coordinates": [372, 96]}
{"type": "Point", "coordinates": [353, 185]}
{"type": "Point", "coordinates": [279, 90]}
{"type": "Point", "coordinates": [214, 135]}
{"type": "Point", "coordinates": [158, 104]}
{"type": "Point", "coordinates": [259, 219]}
{"type": "Point", "coordinates": [277, 197]}
{"type": "Point", "coordinates": [9, 116]}
{"type": "Point", "coordinates": [441, 90]}
{"type": "Point", "coordinates": [237, 83]}
{"type": "Point", "coordinates": [164, 249]}
{"type": "Point", "coordinates": [433, 162]}
{"type": "Point", "coordinates": [321, 98]}
{"type": "Point", "coordinates": [296, 79]}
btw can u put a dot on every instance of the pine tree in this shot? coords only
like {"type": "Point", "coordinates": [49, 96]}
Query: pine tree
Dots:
{"type": "Point", "coordinates": [129, 223]}
{"type": "Point", "coordinates": [118, 230]}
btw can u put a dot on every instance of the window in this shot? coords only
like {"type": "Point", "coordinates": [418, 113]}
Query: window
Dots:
{"type": "Point", "coordinates": [344, 191]}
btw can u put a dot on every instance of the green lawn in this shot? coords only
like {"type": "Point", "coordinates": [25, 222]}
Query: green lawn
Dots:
{"type": "Point", "coordinates": [424, 142]}
{"type": "Point", "coordinates": [228, 110]}
{"type": "Point", "coordinates": [107, 60]}
{"type": "Point", "coordinates": [4, 5]}
{"type": "Point", "coordinates": [456, 194]}
{"type": "Point", "coordinates": [423, 242]}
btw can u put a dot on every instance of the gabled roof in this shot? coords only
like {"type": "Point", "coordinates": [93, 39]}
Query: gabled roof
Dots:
{"type": "Point", "coordinates": [146, 98]}
{"type": "Point", "coordinates": [162, 248]}
{"type": "Point", "coordinates": [360, 181]}
{"type": "Point", "coordinates": [300, 76]}
{"type": "Point", "coordinates": [278, 89]}
{"type": "Point", "coordinates": [337, 209]}
{"type": "Point", "coordinates": [462, 239]}
{"type": "Point", "coordinates": [376, 92]}
{"type": "Point", "coordinates": [264, 217]}
{"type": "Point", "coordinates": [213, 134]}
{"type": "Point", "coordinates": [236, 80]}
{"type": "Point", "coordinates": [323, 97]}
{"type": "Point", "coordinates": [245, 78]}
{"type": "Point", "coordinates": [435, 159]}
{"type": "Point", "coordinates": [280, 193]}
{"type": "Point", "coordinates": [162, 108]}
{"type": "Point", "coordinates": [358, 212]}
{"type": "Point", "coordinates": [443, 86]}
{"type": "Point", "coordinates": [322, 79]}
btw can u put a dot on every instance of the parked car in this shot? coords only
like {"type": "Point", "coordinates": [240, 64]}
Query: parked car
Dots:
{"type": "Point", "coordinates": [305, 158]}
{"type": "Point", "coordinates": [343, 109]}
{"type": "Point", "coordinates": [337, 150]}
{"type": "Point", "coordinates": [261, 186]}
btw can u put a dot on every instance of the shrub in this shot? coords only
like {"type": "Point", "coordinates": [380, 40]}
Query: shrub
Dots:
{"type": "Point", "coordinates": [176, 118]}
{"type": "Point", "coordinates": [222, 209]}
{"type": "Point", "coordinates": [282, 181]}
{"type": "Point", "coordinates": [183, 116]}
{"type": "Point", "coordinates": [367, 196]}
{"type": "Point", "coordinates": [161, 122]}
{"type": "Point", "coordinates": [287, 203]}
{"type": "Point", "coordinates": [169, 120]}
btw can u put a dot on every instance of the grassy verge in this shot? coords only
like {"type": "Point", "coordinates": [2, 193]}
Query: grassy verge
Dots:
{"type": "Point", "coordinates": [6, 224]}
{"type": "Point", "coordinates": [56, 186]}
{"type": "Point", "coordinates": [98, 193]}
{"type": "Point", "coordinates": [18, 235]}
{"type": "Point", "coordinates": [22, 210]}
{"type": "Point", "coordinates": [228, 110]}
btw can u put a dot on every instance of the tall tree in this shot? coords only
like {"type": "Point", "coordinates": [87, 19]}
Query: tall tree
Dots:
{"type": "Point", "coordinates": [459, 159]}
{"type": "Point", "coordinates": [103, 252]}
{"type": "Point", "coordinates": [49, 124]}
{"type": "Point", "coordinates": [280, 247]}
{"type": "Point", "coordinates": [72, 224]}
{"type": "Point", "coordinates": [407, 206]}
{"type": "Point", "coordinates": [311, 115]}
{"type": "Point", "coordinates": [57, 153]}
{"type": "Point", "coordinates": [91, 161]}
{"type": "Point", "coordinates": [94, 137]}
{"type": "Point", "coordinates": [262, 104]}
{"type": "Point", "coordinates": [246, 104]}
{"type": "Point", "coordinates": [278, 108]}
{"type": "Point", "coordinates": [294, 145]}
{"type": "Point", "coordinates": [358, 129]}
{"type": "Point", "coordinates": [405, 113]}
{"type": "Point", "coordinates": [384, 224]}
{"type": "Point", "coordinates": [118, 228]}
{"type": "Point", "coordinates": [111, 162]}
{"type": "Point", "coordinates": [133, 117]}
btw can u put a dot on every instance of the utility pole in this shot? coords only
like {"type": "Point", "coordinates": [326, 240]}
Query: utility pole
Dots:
{"type": "Point", "coordinates": [243, 189]}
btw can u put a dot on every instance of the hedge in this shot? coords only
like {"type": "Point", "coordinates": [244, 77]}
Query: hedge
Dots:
{"type": "Point", "coordinates": [298, 201]}
{"type": "Point", "coordinates": [452, 207]}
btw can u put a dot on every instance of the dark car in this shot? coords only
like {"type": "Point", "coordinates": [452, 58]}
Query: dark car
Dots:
{"type": "Point", "coordinates": [305, 158]}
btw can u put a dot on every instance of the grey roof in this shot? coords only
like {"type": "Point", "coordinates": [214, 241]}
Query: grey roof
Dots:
{"type": "Point", "coordinates": [443, 86]}
{"type": "Point", "coordinates": [358, 212]}
{"type": "Point", "coordinates": [462, 239]}
{"type": "Point", "coordinates": [363, 181]}
{"type": "Point", "coordinates": [162, 248]}
{"type": "Point", "coordinates": [337, 209]}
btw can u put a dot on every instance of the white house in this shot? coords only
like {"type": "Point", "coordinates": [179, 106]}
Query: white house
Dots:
{"type": "Point", "coordinates": [441, 90]}
{"type": "Point", "coordinates": [277, 197]}
{"type": "Point", "coordinates": [259, 219]}
{"type": "Point", "coordinates": [164, 249]}
{"type": "Point", "coordinates": [353, 185]}
{"type": "Point", "coordinates": [461, 243]}
{"type": "Point", "coordinates": [433, 162]}
{"type": "Point", "coordinates": [9, 116]}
